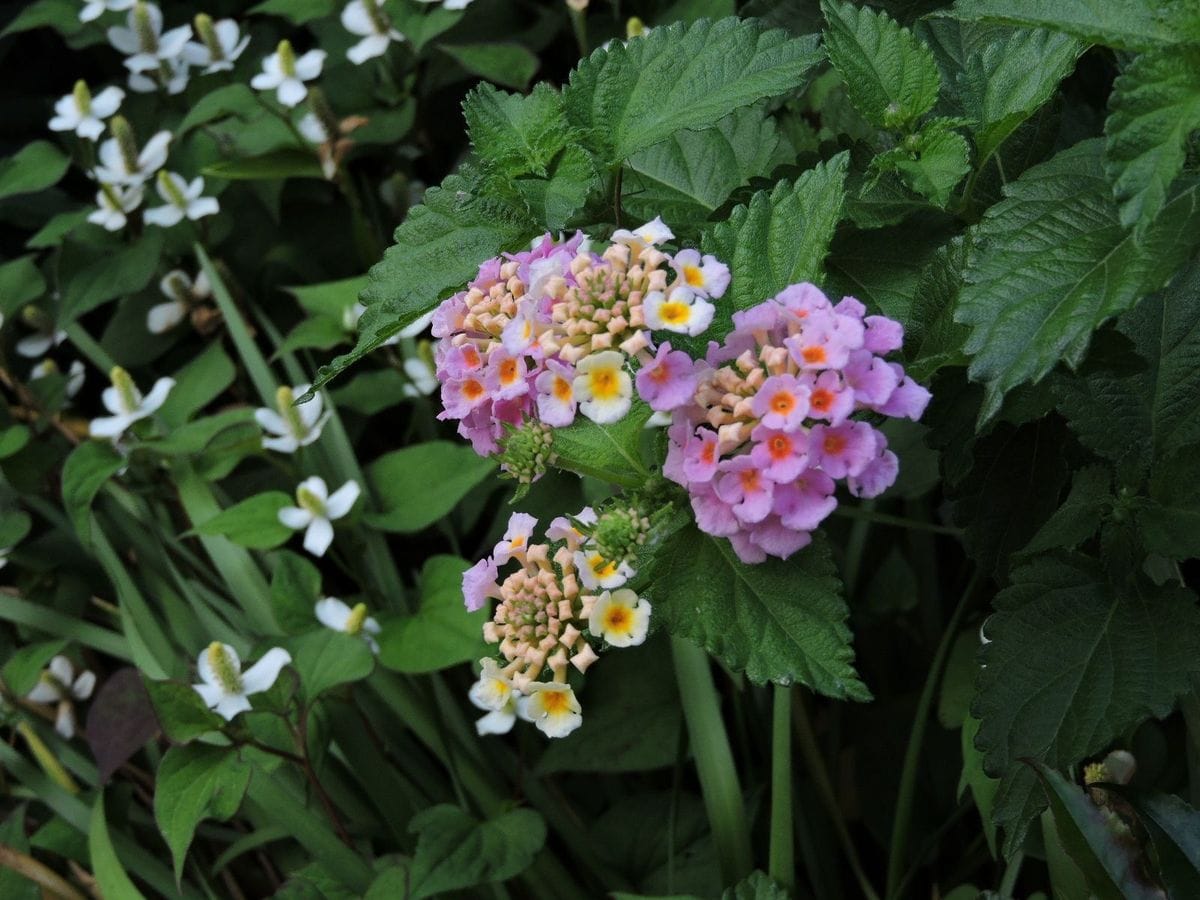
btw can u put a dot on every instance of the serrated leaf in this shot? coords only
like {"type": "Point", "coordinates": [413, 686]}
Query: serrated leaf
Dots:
{"type": "Point", "coordinates": [890, 75]}
{"type": "Point", "coordinates": [932, 161]}
{"type": "Point", "coordinates": [418, 485]}
{"type": "Point", "coordinates": [1072, 662]}
{"type": "Point", "coordinates": [441, 633]}
{"type": "Point", "coordinates": [932, 338]}
{"type": "Point", "coordinates": [609, 452]}
{"type": "Point", "coordinates": [781, 620]}
{"type": "Point", "coordinates": [780, 238]}
{"type": "Point", "coordinates": [1107, 860]}
{"type": "Point", "coordinates": [1148, 415]}
{"type": "Point", "coordinates": [1052, 262]}
{"type": "Point", "coordinates": [631, 96]}
{"type": "Point", "coordinates": [1154, 106]}
{"type": "Point", "coordinates": [194, 783]}
{"type": "Point", "coordinates": [438, 248]}
{"type": "Point", "coordinates": [455, 850]}
{"type": "Point", "coordinates": [692, 173]}
{"type": "Point", "coordinates": [557, 200]}
{"type": "Point", "coordinates": [1080, 515]}
{"type": "Point", "coordinates": [1007, 80]}
{"type": "Point", "coordinates": [519, 135]}
{"type": "Point", "coordinates": [1131, 25]}
{"type": "Point", "coordinates": [1170, 518]}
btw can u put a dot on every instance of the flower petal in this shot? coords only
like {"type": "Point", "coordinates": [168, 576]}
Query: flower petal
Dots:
{"type": "Point", "coordinates": [341, 500]}
{"type": "Point", "coordinates": [318, 537]}
{"type": "Point", "coordinates": [260, 676]}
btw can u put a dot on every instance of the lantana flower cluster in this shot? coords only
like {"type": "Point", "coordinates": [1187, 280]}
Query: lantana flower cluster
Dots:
{"type": "Point", "coordinates": [553, 332]}
{"type": "Point", "coordinates": [767, 424]}
{"type": "Point", "coordinates": [561, 602]}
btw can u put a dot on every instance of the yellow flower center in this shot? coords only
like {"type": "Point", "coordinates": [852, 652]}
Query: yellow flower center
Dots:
{"type": "Point", "coordinates": [555, 703]}
{"type": "Point", "coordinates": [675, 313]}
{"type": "Point", "coordinates": [605, 384]}
{"type": "Point", "coordinates": [693, 276]}
{"type": "Point", "coordinates": [618, 619]}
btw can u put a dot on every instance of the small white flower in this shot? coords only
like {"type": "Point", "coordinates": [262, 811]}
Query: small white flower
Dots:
{"type": "Point", "coordinates": [116, 169]}
{"type": "Point", "coordinates": [333, 613]}
{"type": "Point", "coordinates": [127, 404]}
{"type": "Point", "coordinates": [75, 374]}
{"type": "Point", "coordinates": [552, 707]}
{"type": "Point", "coordinates": [292, 426]}
{"type": "Point", "coordinates": [314, 132]}
{"type": "Point", "coordinates": [598, 573]}
{"type": "Point", "coordinates": [59, 685]}
{"type": "Point", "coordinates": [422, 380]}
{"type": "Point", "coordinates": [36, 345]}
{"type": "Point", "coordinates": [224, 687]}
{"type": "Point", "coordinates": [220, 44]}
{"type": "Point", "coordinates": [114, 204]}
{"type": "Point", "coordinates": [653, 232]}
{"type": "Point", "coordinates": [707, 276]}
{"type": "Point", "coordinates": [172, 74]}
{"type": "Point", "coordinates": [366, 19]}
{"type": "Point", "coordinates": [516, 537]}
{"type": "Point", "coordinates": [451, 4]}
{"type": "Point", "coordinates": [182, 293]}
{"type": "Point", "coordinates": [603, 387]}
{"type": "Point", "coordinates": [94, 9]}
{"type": "Point", "coordinates": [285, 73]}
{"type": "Point", "coordinates": [317, 511]}
{"type": "Point", "coordinates": [621, 617]}
{"type": "Point", "coordinates": [683, 312]}
{"type": "Point", "coordinates": [82, 113]}
{"type": "Point", "coordinates": [143, 42]}
{"type": "Point", "coordinates": [183, 200]}
{"type": "Point", "coordinates": [494, 693]}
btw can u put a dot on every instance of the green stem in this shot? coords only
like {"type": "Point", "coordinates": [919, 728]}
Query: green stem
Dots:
{"type": "Point", "coordinates": [579, 26]}
{"type": "Point", "coordinates": [912, 756]}
{"type": "Point", "coordinates": [781, 862]}
{"type": "Point", "coordinates": [714, 760]}
{"type": "Point", "coordinates": [853, 512]}
{"type": "Point", "coordinates": [1011, 872]}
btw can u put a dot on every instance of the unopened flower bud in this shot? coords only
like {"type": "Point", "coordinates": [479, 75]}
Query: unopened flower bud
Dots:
{"type": "Point", "coordinates": [126, 142]}
{"type": "Point", "coordinates": [287, 58]}
{"type": "Point", "coordinates": [526, 451]}
{"type": "Point", "coordinates": [223, 668]}
{"type": "Point", "coordinates": [208, 34]}
{"type": "Point", "coordinates": [83, 97]}
{"type": "Point", "coordinates": [144, 28]}
{"type": "Point", "coordinates": [354, 622]}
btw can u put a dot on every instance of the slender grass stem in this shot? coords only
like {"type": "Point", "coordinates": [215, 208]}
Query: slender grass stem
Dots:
{"type": "Point", "coordinates": [781, 860]}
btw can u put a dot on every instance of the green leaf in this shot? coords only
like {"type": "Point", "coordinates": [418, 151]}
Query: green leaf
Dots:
{"type": "Point", "coordinates": [1074, 661]}
{"type": "Point", "coordinates": [507, 64]}
{"type": "Point", "coordinates": [192, 784]}
{"type": "Point", "coordinates": [85, 472]}
{"type": "Point", "coordinates": [456, 851]}
{"type": "Point", "coordinates": [780, 238]}
{"type": "Point", "coordinates": [197, 384]}
{"type": "Point", "coordinates": [441, 633]}
{"type": "Point", "coordinates": [230, 100]}
{"type": "Point", "coordinates": [692, 173]}
{"type": "Point", "coordinates": [1080, 515]}
{"type": "Point", "coordinates": [628, 729]}
{"type": "Point", "coordinates": [558, 200]}
{"type": "Point", "coordinates": [61, 15]}
{"type": "Point", "coordinates": [13, 529]}
{"type": "Point", "coordinates": [12, 440]}
{"type": "Point", "coordinates": [932, 339]}
{"type": "Point", "coordinates": [438, 248]}
{"type": "Point", "coordinates": [316, 332]}
{"type": "Point", "coordinates": [180, 711]}
{"type": "Point", "coordinates": [371, 392]}
{"type": "Point", "coordinates": [295, 590]}
{"type": "Point", "coordinates": [59, 227]}
{"type": "Point", "coordinates": [202, 434]}
{"type": "Point", "coordinates": [106, 866]}
{"type": "Point", "coordinates": [1052, 261]}
{"type": "Point", "coordinates": [780, 621]}
{"type": "Point", "coordinates": [254, 522]}
{"type": "Point", "coordinates": [890, 74]}
{"type": "Point", "coordinates": [285, 163]}
{"type": "Point", "coordinates": [1170, 518]}
{"type": "Point", "coordinates": [519, 135]}
{"type": "Point", "coordinates": [298, 12]}
{"type": "Point", "coordinates": [1154, 106]}
{"type": "Point", "coordinates": [325, 659]}
{"type": "Point", "coordinates": [112, 274]}
{"type": "Point", "coordinates": [1174, 829]}
{"type": "Point", "coordinates": [34, 167]}
{"type": "Point", "coordinates": [983, 788]}
{"type": "Point", "coordinates": [20, 282]}
{"type": "Point", "coordinates": [24, 667]}
{"type": "Point", "coordinates": [330, 298]}
{"type": "Point", "coordinates": [609, 452]}
{"type": "Point", "coordinates": [1131, 25]}
{"type": "Point", "coordinates": [1107, 860]}
{"type": "Point", "coordinates": [420, 484]}
{"type": "Point", "coordinates": [932, 162]}
{"type": "Point", "coordinates": [631, 96]}
{"type": "Point", "coordinates": [1151, 414]}
{"type": "Point", "coordinates": [1007, 80]}
{"type": "Point", "coordinates": [420, 23]}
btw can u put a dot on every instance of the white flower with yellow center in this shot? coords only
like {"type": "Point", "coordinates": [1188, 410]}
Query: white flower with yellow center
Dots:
{"type": "Point", "coordinates": [82, 113]}
{"type": "Point", "coordinates": [552, 707]}
{"type": "Point", "coordinates": [603, 387]}
{"type": "Point", "coordinates": [114, 204]}
{"type": "Point", "coordinates": [285, 73]}
{"type": "Point", "coordinates": [653, 232]}
{"type": "Point", "coordinates": [292, 427]}
{"type": "Point", "coordinates": [333, 613]}
{"type": "Point", "coordinates": [181, 200]}
{"type": "Point", "coordinates": [621, 617]}
{"type": "Point", "coordinates": [494, 693]}
{"type": "Point", "coordinates": [224, 687]}
{"type": "Point", "coordinates": [598, 573]}
{"type": "Point", "coordinates": [316, 511]}
{"type": "Point", "coordinates": [707, 276]}
{"type": "Point", "coordinates": [683, 311]}
{"type": "Point", "coordinates": [59, 685]}
{"type": "Point", "coordinates": [127, 404]}
{"type": "Point", "coordinates": [366, 19]}
{"type": "Point", "coordinates": [516, 538]}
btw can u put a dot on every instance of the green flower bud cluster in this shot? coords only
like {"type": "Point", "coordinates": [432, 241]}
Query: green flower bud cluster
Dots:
{"type": "Point", "coordinates": [526, 452]}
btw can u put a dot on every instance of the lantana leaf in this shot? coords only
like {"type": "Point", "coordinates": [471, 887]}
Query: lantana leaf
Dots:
{"type": "Point", "coordinates": [520, 135]}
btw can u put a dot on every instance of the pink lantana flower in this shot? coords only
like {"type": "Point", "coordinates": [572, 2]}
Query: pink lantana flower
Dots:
{"type": "Point", "coordinates": [668, 380]}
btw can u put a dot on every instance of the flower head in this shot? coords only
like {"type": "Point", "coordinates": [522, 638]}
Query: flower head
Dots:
{"type": "Point", "coordinates": [182, 200]}
{"type": "Point", "coordinates": [114, 204]}
{"type": "Point", "coordinates": [224, 687]}
{"type": "Point", "coordinates": [75, 375]}
{"type": "Point", "coordinates": [94, 9]}
{"type": "Point", "coordinates": [668, 380]}
{"type": "Point", "coordinates": [83, 113]}
{"type": "Point", "coordinates": [221, 43]}
{"type": "Point", "coordinates": [621, 617]}
{"type": "Point", "coordinates": [316, 510]}
{"type": "Point", "coordinates": [127, 404]}
{"type": "Point", "coordinates": [338, 616]}
{"type": "Point", "coordinates": [60, 686]}
{"type": "Point", "coordinates": [292, 426]}
{"type": "Point", "coordinates": [143, 41]}
{"type": "Point", "coordinates": [121, 163]}
{"type": "Point", "coordinates": [494, 693]}
{"type": "Point", "coordinates": [367, 19]}
{"type": "Point", "coordinates": [182, 294]}
{"type": "Point", "coordinates": [286, 74]}
{"type": "Point", "coordinates": [604, 388]}
{"type": "Point", "coordinates": [706, 276]}
{"type": "Point", "coordinates": [552, 707]}
{"type": "Point", "coordinates": [682, 310]}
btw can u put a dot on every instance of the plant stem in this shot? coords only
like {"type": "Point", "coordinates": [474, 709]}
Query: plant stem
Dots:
{"type": "Point", "coordinates": [806, 741]}
{"type": "Point", "coordinates": [781, 861]}
{"type": "Point", "coordinates": [45, 877]}
{"type": "Point", "coordinates": [1011, 872]}
{"type": "Point", "coordinates": [852, 512]}
{"type": "Point", "coordinates": [714, 760]}
{"type": "Point", "coordinates": [912, 756]}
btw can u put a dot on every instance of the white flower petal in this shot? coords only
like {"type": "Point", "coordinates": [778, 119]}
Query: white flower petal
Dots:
{"type": "Point", "coordinates": [229, 705]}
{"type": "Point", "coordinates": [332, 613]}
{"type": "Point", "coordinates": [309, 65]}
{"type": "Point", "coordinates": [370, 47]}
{"type": "Point", "coordinates": [498, 721]}
{"type": "Point", "coordinates": [291, 91]}
{"type": "Point", "coordinates": [60, 667]}
{"type": "Point", "coordinates": [260, 676]}
{"type": "Point", "coordinates": [162, 317]}
{"type": "Point", "coordinates": [210, 693]}
{"type": "Point", "coordinates": [164, 216]}
{"type": "Point", "coordinates": [271, 421]}
{"type": "Point", "coordinates": [109, 426]}
{"type": "Point", "coordinates": [342, 500]}
{"type": "Point", "coordinates": [318, 537]}
{"type": "Point", "coordinates": [84, 685]}
{"type": "Point", "coordinates": [157, 396]}
{"type": "Point", "coordinates": [64, 720]}
{"type": "Point", "coordinates": [295, 518]}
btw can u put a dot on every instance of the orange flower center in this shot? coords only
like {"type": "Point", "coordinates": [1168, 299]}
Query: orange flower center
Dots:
{"type": "Point", "coordinates": [509, 372]}
{"type": "Point", "coordinates": [617, 618]}
{"type": "Point", "coordinates": [472, 389]}
{"type": "Point", "coordinates": [834, 444]}
{"type": "Point", "coordinates": [821, 400]}
{"type": "Point", "coordinates": [749, 479]}
{"type": "Point", "coordinates": [813, 355]}
{"type": "Point", "coordinates": [783, 403]}
{"type": "Point", "coordinates": [779, 446]}
{"type": "Point", "coordinates": [562, 388]}
{"type": "Point", "coordinates": [554, 702]}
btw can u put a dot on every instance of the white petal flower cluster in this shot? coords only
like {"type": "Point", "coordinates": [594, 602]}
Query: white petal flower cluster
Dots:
{"type": "Point", "coordinates": [182, 294]}
{"type": "Point", "coordinates": [291, 427]}
{"type": "Point", "coordinates": [84, 114]}
{"type": "Point", "coordinates": [316, 511]}
{"type": "Point", "coordinates": [224, 687]}
{"type": "Point", "coordinates": [60, 686]}
{"type": "Point", "coordinates": [182, 200]}
{"type": "Point", "coordinates": [127, 404]}
{"type": "Point", "coordinates": [367, 19]}
{"type": "Point", "coordinates": [285, 73]}
{"type": "Point", "coordinates": [153, 57]}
